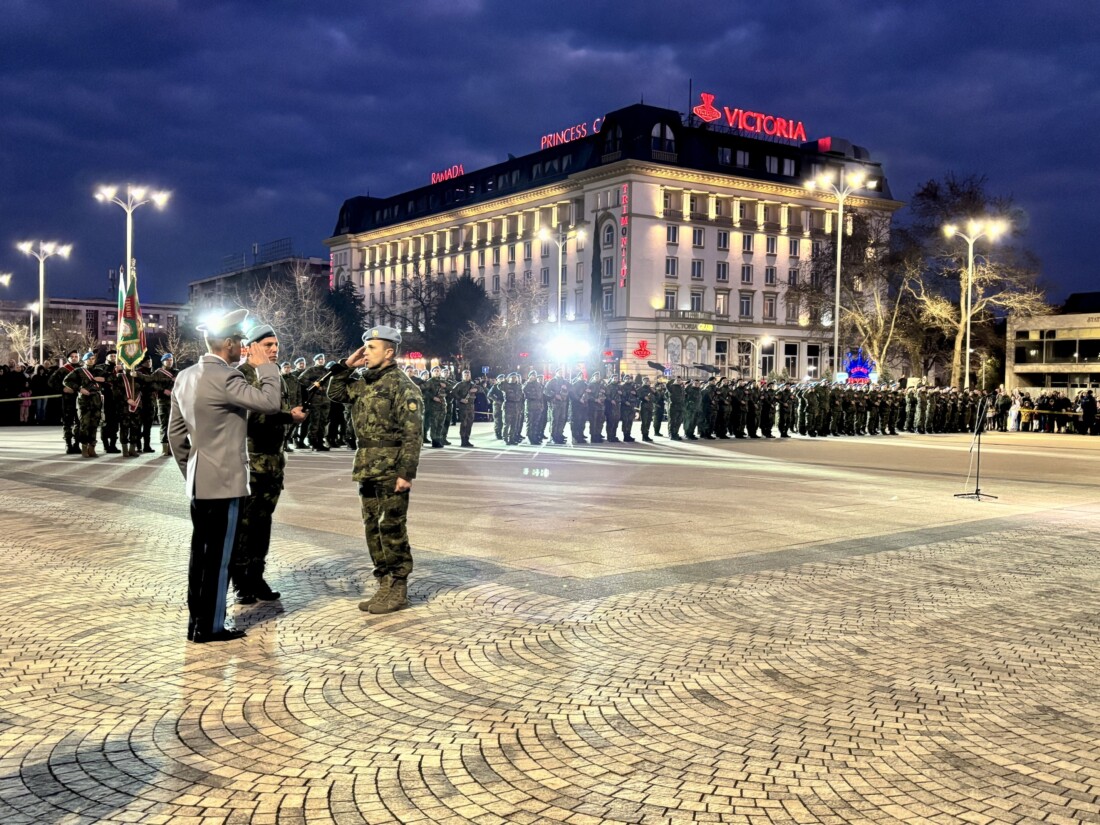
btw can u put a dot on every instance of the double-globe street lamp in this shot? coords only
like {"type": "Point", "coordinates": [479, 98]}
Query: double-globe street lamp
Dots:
{"type": "Point", "coordinates": [975, 229]}
{"type": "Point", "coordinates": [135, 196]}
{"type": "Point", "coordinates": [561, 238]}
{"type": "Point", "coordinates": [46, 249]}
{"type": "Point", "coordinates": [840, 188]}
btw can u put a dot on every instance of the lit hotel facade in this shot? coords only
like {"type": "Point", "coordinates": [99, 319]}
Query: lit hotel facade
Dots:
{"type": "Point", "coordinates": [693, 227]}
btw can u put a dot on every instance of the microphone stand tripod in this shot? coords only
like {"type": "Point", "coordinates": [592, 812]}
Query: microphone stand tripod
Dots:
{"type": "Point", "coordinates": [978, 495]}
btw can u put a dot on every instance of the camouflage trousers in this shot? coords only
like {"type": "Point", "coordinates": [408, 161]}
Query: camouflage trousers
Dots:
{"type": "Point", "coordinates": [68, 415]}
{"type": "Point", "coordinates": [513, 422]}
{"type": "Point", "coordinates": [435, 423]}
{"type": "Point", "coordinates": [466, 422]}
{"type": "Point", "coordinates": [318, 423]}
{"type": "Point", "coordinates": [558, 411]}
{"type": "Point", "coordinates": [90, 410]}
{"type": "Point", "coordinates": [129, 425]}
{"type": "Point", "coordinates": [249, 558]}
{"type": "Point", "coordinates": [498, 419]}
{"type": "Point", "coordinates": [675, 420]}
{"type": "Point", "coordinates": [384, 520]}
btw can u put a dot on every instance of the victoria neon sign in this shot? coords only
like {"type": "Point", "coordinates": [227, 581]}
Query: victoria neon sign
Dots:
{"type": "Point", "coordinates": [745, 120]}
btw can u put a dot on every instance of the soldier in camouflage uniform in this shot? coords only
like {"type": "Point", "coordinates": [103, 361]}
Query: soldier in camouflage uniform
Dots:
{"type": "Point", "coordinates": [465, 399]}
{"type": "Point", "coordinates": [660, 397]}
{"type": "Point", "coordinates": [692, 398]}
{"type": "Point", "coordinates": [628, 405]}
{"type": "Point", "coordinates": [387, 409]}
{"type": "Point", "coordinates": [556, 394]}
{"type": "Point", "coordinates": [785, 401]}
{"type": "Point", "coordinates": [128, 401]}
{"type": "Point", "coordinates": [266, 462]}
{"type": "Point", "coordinates": [294, 399]}
{"type": "Point", "coordinates": [298, 431]}
{"type": "Point", "coordinates": [163, 379]}
{"type": "Point", "coordinates": [596, 410]}
{"type": "Point", "coordinates": [109, 432]}
{"type": "Point", "coordinates": [68, 401]}
{"type": "Point", "coordinates": [534, 404]}
{"type": "Point", "coordinates": [313, 393]}
{"type": "Point", "coordinates": [767, 410]}
{"type": "Point", "coordinates": [513, 409]}
{"type": "Point", "coordinates": [578, 408]}
{"type": "Point", "coordinates": [675, 408]}
{"type": "Point", "coordinates": [89, 402]}
{"type": "Point", "coordinates": [496, 398]}
{"type": "Point", "coordinates": [434, 391]}
{"type": "Point", "coordinates": [612, 398]}
{"type": "Point", "coordinates": [646, 405]}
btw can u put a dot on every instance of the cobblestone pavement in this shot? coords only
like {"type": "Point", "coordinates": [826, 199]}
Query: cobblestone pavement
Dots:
{"type": "Point", "coordinates": [917, 659]}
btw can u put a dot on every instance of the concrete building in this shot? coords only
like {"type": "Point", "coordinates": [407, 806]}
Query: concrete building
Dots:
{"type": "Point", "coordinates": [240, 274]}
{"type": "Point", "coordinates": [691, 227]}
{"type": "Point", "coordinates": [1059, 351]}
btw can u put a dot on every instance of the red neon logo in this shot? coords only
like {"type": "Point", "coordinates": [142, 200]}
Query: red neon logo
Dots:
{"type": "Point", "coordinates": [706, 111]}
{"type": "Point", "coordinates": [414, 354]}
{"type": "Point", "coordinates": [448, 174]}
{"type": "Point", "coordinates": [643, 349]}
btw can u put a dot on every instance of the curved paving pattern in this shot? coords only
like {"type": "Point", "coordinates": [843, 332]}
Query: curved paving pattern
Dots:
{"type": "Point", "coordinates": [947, 681]}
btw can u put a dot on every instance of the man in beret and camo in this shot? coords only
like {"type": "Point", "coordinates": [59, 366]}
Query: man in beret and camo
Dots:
{"type": "Point", "coordinates": [387, 411]}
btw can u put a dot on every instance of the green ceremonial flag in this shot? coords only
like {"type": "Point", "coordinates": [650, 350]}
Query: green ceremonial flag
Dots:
{"type": "Point", "coordinates": [131, 331]}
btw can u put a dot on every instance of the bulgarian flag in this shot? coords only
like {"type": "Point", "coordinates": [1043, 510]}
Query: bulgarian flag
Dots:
{"type": "Point", "coordinates": [131, 331]}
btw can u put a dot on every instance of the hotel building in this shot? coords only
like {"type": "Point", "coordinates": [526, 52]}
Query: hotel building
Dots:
{"type": "Point", "coordinates": [693, 226]}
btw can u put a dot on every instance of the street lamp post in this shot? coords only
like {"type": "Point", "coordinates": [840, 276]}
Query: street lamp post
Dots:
{"type": "Point", "coordinates": [758, 350]}
{"type": "Point", "coordinates": [31, 310]}
{"type": "Point", "coordinates": [840, 189]}
{"type": "Point", "coordinates": [44, 251]}
{"type": "Point", "coordinates": [135, 196]}
{"type": "Point", "coordinates": [975, 229]}
{"type": "Point", "coordinates": [560, 240]}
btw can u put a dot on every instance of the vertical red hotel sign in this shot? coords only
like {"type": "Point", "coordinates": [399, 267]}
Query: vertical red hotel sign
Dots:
{"type": "Point", "coordinates": [624, 233]}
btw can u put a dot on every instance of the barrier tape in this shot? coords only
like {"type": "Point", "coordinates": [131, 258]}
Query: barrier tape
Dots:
{"type": "Point", "coordinates": [29, 397]}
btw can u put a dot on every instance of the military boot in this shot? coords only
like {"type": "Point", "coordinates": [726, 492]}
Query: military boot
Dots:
{"type": "Point", "coordinates": [71, 448]}
{"type": "Point", "coordinates": [146, 448]}
{"type": "Point", "coordinates": [396, 598]}
{"type": "Point", "coordinates": [384, 585]}
{"type": "Point", "coordinates": [109, 447]}
{"type": "Point", "coordinates": [165, 450]}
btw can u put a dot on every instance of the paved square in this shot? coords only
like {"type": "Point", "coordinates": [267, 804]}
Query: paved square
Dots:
{"type": "Point", "coordinates": [800, 631]}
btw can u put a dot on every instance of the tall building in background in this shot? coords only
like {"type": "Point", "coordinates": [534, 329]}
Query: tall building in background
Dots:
{"type": "Point", "coordinates": [241, 274]}
{"type": "Point", "coordinates": [693, 226]}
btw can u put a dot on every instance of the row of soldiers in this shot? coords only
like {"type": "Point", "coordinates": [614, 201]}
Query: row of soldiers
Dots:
{"type": "Point", "coordinates": [109, 402]}
{"type": "Point", "coordinates": [604, 408]}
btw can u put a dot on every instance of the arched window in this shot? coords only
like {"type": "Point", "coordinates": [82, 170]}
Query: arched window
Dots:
{"type": "Point", "coordinates": [608, 236]}
{"type": "Point", "coordinates": [614, 141]}
{"type": "Point", "coordinates": [691, 351]}
{"type": "Point", "coordinates": [662, 139]}
{"type": "Point", "coordinates": [672, 351]}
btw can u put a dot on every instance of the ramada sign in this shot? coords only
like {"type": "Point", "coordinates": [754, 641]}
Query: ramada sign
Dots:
{"type": "Point", "coordinates": [747, 121]}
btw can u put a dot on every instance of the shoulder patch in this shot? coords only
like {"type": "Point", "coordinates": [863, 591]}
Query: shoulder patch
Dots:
{"type": "Point", "coordinates": [412, 405]}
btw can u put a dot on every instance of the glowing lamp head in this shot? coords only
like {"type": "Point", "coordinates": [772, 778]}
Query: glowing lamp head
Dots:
{"type": "Point", "coordinates": [544, 234]}
{"type": "Point", "coordinates": [581, 234]}
{"type": "Point", "coordinates": [765, 340]}
{"type": "Point", "coordinates": [106, 193]}
{"type": "Point", "coordinates": [33, 307]}
{"type": "Point", "coordinates": [137, 192]}
{"type": "Point", "coordinates": [65, 251]}
{"type": "Point", "coordinates": [950, 230]}
{"type": "Point", "coordinates": [160, 199]}
{"type": "Point", "coordinates": [5, 279]}
{"type": "Point", "coordinates": [25, 247]}
{"type": "Point", "coordinates": [48, 248]}
{"type": "Point", "coordinates": [811, 185]}
{"type": "Point", "coordinates": [998, 227]}
{"type": "Point", "coordinates": [856, 179]}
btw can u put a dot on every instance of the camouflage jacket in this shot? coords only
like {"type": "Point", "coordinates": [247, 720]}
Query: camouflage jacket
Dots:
{"type": "Point", "coordinates": [388, 417]}
{"type": "Point", "coordinates": [266, 432]}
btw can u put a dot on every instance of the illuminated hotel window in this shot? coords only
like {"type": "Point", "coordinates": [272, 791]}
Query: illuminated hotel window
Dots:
{"type": "Point", "coordinates": [717, 208]}
{"type": "Point", "coordinates": [742, 209]}
{"type": "Point", "coordinates": [693, 203]}
{"type": "Point", "coordinates": [792, 311]}
{"type": "Point", "coordinates": [672, 267]}
{"type": "Point", "coordinates": [746, 242]}
{"type": "Point", "coordinates": [788, 167]}
{"type": "Point", "coordinates": [481, 258]}
{"type": "Point", "coordinates": [672, 234]}
{"type": "Point", "coordinates": [666, 200]}
{"type": "Point", "coordinates": [792, 277]}
{"type": "Point", "coordinates": [742, 159]}
{"type": "Point", "coordinates": [697, 236]}
{"type": "Point", "coordinates": [608, 268]}
{"type": "Point", "coordinates": [544, 276]}
{"type": "Point", "coordinates": [771, 164]}
{"type": "Point", "coordinates": [670, 299]}
{"type": "Point", "coordinates": [746, 273]}
{"type": "Point", "coordinates": [696, 301]}
{"type": "Point", "coordinates": [723, 273]}
{"type": "Point", "coordinates": [723, 240]}
{"type": "Point", "coordinates": [697, 270]}
{"type": "Point", "coordinates": [722, 303]}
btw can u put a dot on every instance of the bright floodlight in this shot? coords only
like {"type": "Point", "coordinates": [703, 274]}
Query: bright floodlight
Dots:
{"type": "Point", "coordinates": [137, 192]}
{"type": "Point", "coordinates": [5, 279]}
{"type": "Point", "coordinates": [544, 234]}
{"type": "Point", "coordinates": [25, 247]}
{"type": "Point", "coordinates": [855, 179]}
{"type": "Point", "coordinates": [160, 198]}
{"type": "Point", "coordinates": [950, 230]}
{"type": "Point", "coordinates": [106, 193]}
{"type": "Point", "coordinates": [765, 340]}
{"type": "Point", "coordinates": [565, 346]}
{"type": "Point", "coordinates": [33, 307]}
{"type": "Point", "coordinates": [65, 251]}
{"type": "Point", "coordinates": [581, 234]}
{"type": "Point", "coordinates": [48, 248]}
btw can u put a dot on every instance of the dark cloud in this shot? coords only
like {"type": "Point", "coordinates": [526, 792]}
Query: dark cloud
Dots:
{"type": "Point", "coordinates": [263, 117]}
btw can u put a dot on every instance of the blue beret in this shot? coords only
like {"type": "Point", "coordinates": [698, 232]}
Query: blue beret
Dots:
{"type": "Point", "coordinates": [88, 356]}
{"type": "Point", "coordinates": [383, 333]}
{"type": "Point", "coordinates": [258, 333]}
{"type": "Point", "coordinates": [166, 357]}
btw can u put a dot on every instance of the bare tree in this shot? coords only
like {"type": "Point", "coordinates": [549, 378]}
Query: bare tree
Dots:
{"type": "Point", "coordinates": [295, 307]}
{"type": "Point", "coordinates": [65, 331]}
{"type": "Point", "coordinates": [514, 329]}
{"type": "Point", "coordinates": [20, 343]}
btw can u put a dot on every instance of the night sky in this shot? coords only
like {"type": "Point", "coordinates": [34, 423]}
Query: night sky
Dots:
{"type": "Point", "coordinates": [263, 116]}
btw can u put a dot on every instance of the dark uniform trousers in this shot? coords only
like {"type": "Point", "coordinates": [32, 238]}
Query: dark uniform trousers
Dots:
{"type": "Point", "coordinates": [214, 528]}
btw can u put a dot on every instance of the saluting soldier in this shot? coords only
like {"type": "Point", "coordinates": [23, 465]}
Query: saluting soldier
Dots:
{"type": "Point", "coordinates": [495, 395]}
{"type": "Point", "coordinates": [387, 409]}
{"type": "Point", "coordinates": [513, 409]}
{"type": "Point", "coordinates": [660, 398]}
{"type": "Point", "coordinates": [110, 411]}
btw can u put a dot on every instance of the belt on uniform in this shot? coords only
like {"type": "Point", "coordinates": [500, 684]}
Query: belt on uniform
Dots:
{"type": "Point", "coordinates": [379, 443]}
